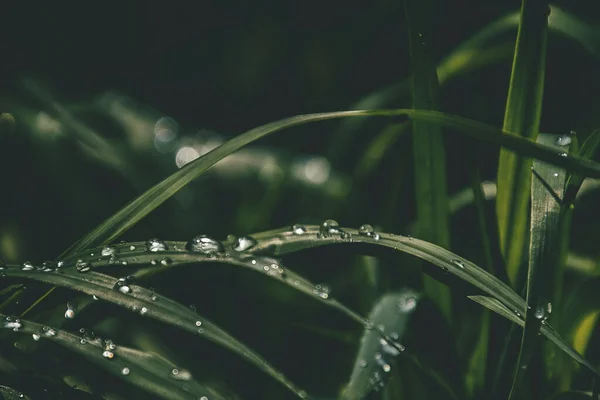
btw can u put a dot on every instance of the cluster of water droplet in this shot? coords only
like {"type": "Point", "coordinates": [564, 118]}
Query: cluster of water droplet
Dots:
{"type": "Point", "coordinates": [205, 245]}
{"type": "Point", "coordinates": [382, 359]}
{"type": "Point", "coordinates": [155, 245]}
{"type": "Point", "coordinates": [368, 231]}
{"type": "Point", "coordinates": [322, 291]}
{"type": "Point", "coordinates": [109, 349]}
{"type": "Point", "coordinates": [12, 323]}
{"type": "Point", "coordinates": [122, 285]}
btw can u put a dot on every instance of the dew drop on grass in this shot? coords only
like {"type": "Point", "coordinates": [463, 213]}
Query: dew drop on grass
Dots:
{"type": "Point", "coordinates": [36, 337]}
{"type": "Point", "coordinates": [366, 230]}
{"type": "Point", "coordinates": [143, 311]}
{"type": "Point", "coordinates": [363, 363]}
{"type": "Point", "coordinates": [181, 374]}
{"type": "Point", "coordinates": [70, 313]}
{"type": "Point", "coordinates": [125, 371]}
{"type": "Point", "coordinates": [322, 291]}
{"type": "Point", "coordinates": [205, 245]}
{"type": "Point", "coordinates": [108, 251]}
{"type": "Point", "coordinates": [48, 332]}
{"type": "Point", "coordinates": [459, 264]}
{"type": "Point", "coordinates": [12, 323]}
{"type": "Point", "coordinates": [155, 245]}
{"type": "Point", "coordinates": [298, 229]}
{"type": "Point", "coordinates": [27, 266]}
{"type": "Point", "coordinates": [244, 243]}
{"type": "Point", "coordinates": [109, 355]}
{"type": "Point", "coordinates": [82, 266]}
{"type": "Point", "coordinates": [165, 261]}
{"type": "Point", "coordinates": [563, 154]}
{"type": "Point", "coordinates": [563, 140]}
{"type": "Point", "coordinates": [49, 266]}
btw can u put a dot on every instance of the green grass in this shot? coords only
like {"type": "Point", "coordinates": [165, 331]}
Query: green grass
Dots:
{"type": "Point", "coordinates": [306, 307]}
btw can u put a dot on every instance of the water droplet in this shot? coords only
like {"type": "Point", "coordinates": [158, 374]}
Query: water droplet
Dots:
{"type": "Point", "coordinates": [154, 262]}
{"type": "Point", "coordinates": [387, 368]}
{"type": "Point", "coordinates": [298, 229]}
{"type": "Point", "coordinates": [132, 247]}
{"type": "Point", "coordinates": [539, 313]}
{"type": "Point", "coordinates": [154, 297]}
{"type": "Point", "coordinates": [143, 311]}
{"type": "Point", "coordinates": [94, 297]}
{"type": "Point", "coordinates": [12, 323]}
{"type": "Point", "coordinates": [36, 337]}
{"type": "Point", "coordinates": [48, 332]}
{"type": "Point", "coordinates": [365, 229]}
{"type": "Point", "coordinates": [108, 354]}
{"type": "Point", "coordinates": [459, 264]}
{"type": "Point", "coordinates": [125, 371]}
{"type": "Point", "coordinates": [198, 323]}
{"type": "Point", "coordinates": [82, 266]}
{"type": "Point", "coordinates": [556, 174]}
{"type": "Point", "coordinates": [83, 341]}
{"type": "Point", "coordinates": [205, 245]}
{"type": "Point", "coordinates": [322, 291]}
{"type": "Point", "coordinates": [563, 154]}
{"type": "Point", "coordinates": [48, 266]}
{"type": "Point", "coordinates": [244, 243]}
{"type": "Point", "coordinates": [156, 245]}
{"type": "Point", "coordinates": [108, 251]}
{"type": "Point", "coordinates": [165, 261]}
{"type": "Point", "coordinates": [363, 363]}
{"type": "Point", "coordinates": [407, 303]}
{"type": "Point", "coordinates": [69, 314]}
{"type": "Point", "coordinates": [329, 227]}
{"type": "Point", "coordinates": [27, 266]}
{"type": "Point", "coordinates": [517, 313]}
{"type": "Point", "coordinates": [125, 289]}
{"type": "Point", "coordinates": [563, 140]}
{"type": "Point", "coordinates": [181, 374]}
{"type": "Point", "coordinates": [549, 308]}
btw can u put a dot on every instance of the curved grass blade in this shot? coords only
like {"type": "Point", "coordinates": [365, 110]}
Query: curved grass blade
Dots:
{"type": "Point", "coordinates": [582, 302]}
{"type": "Point", "coordinates": [499, 308]}
{"type": "Point", "coordinates": [429, 155]}
{"type": "Point", "coordinates": [522, 115]}
{"type": "Point", "coordinates": [138, 299]}
{"type": "Point", "coordinates": [547, 191]}
{"type": "Point", "coordinates": [283, 241]}
{"type": "Point", "coordinates": [147, 202]}
{"type": "Point", "coordinates": [376, 358]}
{"type": "Point", "coordinates": [147, 371]}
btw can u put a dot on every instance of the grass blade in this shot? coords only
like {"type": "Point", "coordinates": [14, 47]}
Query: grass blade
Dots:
{"type": "Point", "coordinates": [588, 149]}
{"type": "Point", "coordinates": [155, 196]}
{"type": "Point", "coordinates": [522, 115]}
{"type": "Point", "coordinates": [547, 191]}
{"type": "Point", "coordinates": [138, 299]}
{"type": "Point", "coordinates": [147, 371]}
{"type": "Point", "coordinates": [429, 155]}
{"type": "Point", "coordinates": [374, 357]}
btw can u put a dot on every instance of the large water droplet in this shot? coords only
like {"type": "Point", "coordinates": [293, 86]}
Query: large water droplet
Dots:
{"type": "Point", "coordinates": [205, 245]}
{"type": "Point", "coordinates": [35, 337]}
{"type": "Point", "coordinates": [156, 245]}
{"type": "Point", "coordinates": [244, 243]}
{"type": "Point", "coordinates": [70, 313]}
{"type": "Point", "coordinates": [82, 266]}
{"type": "Point", "coordinates": [563, 140]}
{"type": "Point", "coordinates": [109, 251]}
{"type": "Point", "coordinates": [27, 266]}
{"type": "Point", "coordinates": [298, 229]}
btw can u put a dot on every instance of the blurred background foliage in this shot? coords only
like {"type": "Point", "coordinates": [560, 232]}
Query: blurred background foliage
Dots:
{"type": "Point", "coordinates": [110, 98]}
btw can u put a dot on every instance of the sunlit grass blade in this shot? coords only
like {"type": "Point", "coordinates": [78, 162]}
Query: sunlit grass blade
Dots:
{"type": "Point", "coordinates": [150, 372]}
{"type": "Point", "coordinates": [129, 295]}
{"type": "Point", "coordinates": [547, 192]}
{"type": "Point", "coordinates": [284, 241]}
{"type": "Point", "coordinates": [429, 155]}
{"type": "Point", "coordinates": [499, 308]}
{"type": "Point", "coordinates": [588, 149]}
{"type": "Point", "coordinates": [376, 357]}
{"type": "Point", "coordinates": [522, 115]}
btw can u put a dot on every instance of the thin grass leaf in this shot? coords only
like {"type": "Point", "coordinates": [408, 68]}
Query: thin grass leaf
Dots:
{"type": "Point", "coordinates": [429, 155]}
{"type": "Point", "coordinates": [149, 372]}
{"type": "Point", "coordinates": [12, 394]}
{"type": "Point", "coordinates": [522, 115]}
{"type": "Point", "coordinates": [547, 191]}
{"type": "Point", "coordinates": [588, 150]}
{"type": "Point", "coordinates": [499, 308]}
{"type": "Point", "coordinates": [283, 241]}
{"type": "Point", "coordinates": [127, 294]}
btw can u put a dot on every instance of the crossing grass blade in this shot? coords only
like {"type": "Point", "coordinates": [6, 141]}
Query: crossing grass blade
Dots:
{"type": "Point", "coordinates": [150, 372]}
{"type": "Point", "coordinates": [522, 115]}
{"type": "Point", "coordinates": [429, 155]}
{"type": "Point", "coordinates": [140, 300]}
{"type": "Point", "coordinates": [284, 241]}
{"type": "Point", "coordinates": [547, 192]}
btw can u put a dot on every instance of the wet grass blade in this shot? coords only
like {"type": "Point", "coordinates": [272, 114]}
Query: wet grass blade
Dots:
{"type": "Point", "coordinates": [375, 357]}
{"type": "Point", "coordinates": [150, 372]}
{"type": "Point", "coordinates": [522, 115]}
{"type": "Point", "coordinates": [429, 155]}
{"type": "Point", "coordinates": [547, 191]}
{"type": "Point", "coordinates": [283, 241]}
{"type": "Point", "coordinates": [138, 299]}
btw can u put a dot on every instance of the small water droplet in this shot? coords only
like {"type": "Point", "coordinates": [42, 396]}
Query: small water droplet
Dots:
{"type": "Point", "coordinates": [36, 337]}
{"type": "Point", "coordinates": [125, 371]}
{"type": "Point", "coordinates": [563, 154]}
{"type": "Point", "coordinates": [155, 245]}
{"type": "Point", "coordinates": [132, 247]}
{"type": "Point", "coordinates": [27, 266]}
{"type": "Point", "coordinates": [244, 243]}
{"type": "Point", "coordinates": [181, 374]}
{"type": "Point", "coordinates": [205, 245]}
{"type": "Point", "coordinates": [165, 261]}
{"type": "Point", "coordinates": [108, 251]}
{"type": "Point", "coordinates": [298, 229]}
{"type": "Point", "coordinates": [556, 174]}
{"type": "Point", "coordinates": [154, 261]}
{"type": "Point", "coordinates": [563, 140]}
{"type": "Point", "coordinates": [363, 363]}
{"type": "Point", "coordinates": [69, 314]}
{"type": "Point", "coordinates": [82, 266]}
{"type": "Point", "coordinates": [154, 297]}
{"type": "Point", "coordinates": [108, 354]}
{"type": "Point", "coordinates": [83, 341]}
{"type": "Point", "coordinates": [143, 311]}
{"type": "Point", "coordinates": [459, 264]}
{"type": "Point", "coordinates": [365, 229]}
{"type": "Point", "coordinates": [48, 266]}
{"type": "Point", "coordinates": [322, 291]}
{"type": "Point", "coordinates": [94, 297]}
{"type": "Point", "coordinates": [198, 323]}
